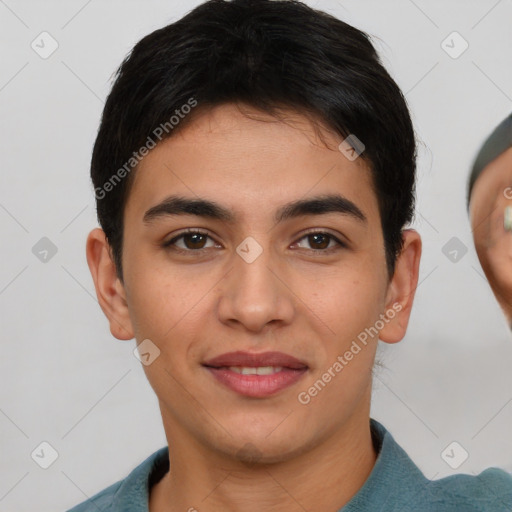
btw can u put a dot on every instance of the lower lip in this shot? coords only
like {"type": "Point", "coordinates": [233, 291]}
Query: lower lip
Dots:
{"type": "Point", "coordinates": [257, 386]}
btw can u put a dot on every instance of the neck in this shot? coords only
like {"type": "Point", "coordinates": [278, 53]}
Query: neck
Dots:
{"type": "Point", "coordinates": [325, 477]}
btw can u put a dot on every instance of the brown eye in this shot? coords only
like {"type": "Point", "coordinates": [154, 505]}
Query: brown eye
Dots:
{"type": "Point", "coordinates": [322, 242]}
{"type": "Point", "coordinates": [190, 241]}
{"type": "Point", "coordinates": [194, 240]}
{"type": "Point", "coordinates": [319, 240]}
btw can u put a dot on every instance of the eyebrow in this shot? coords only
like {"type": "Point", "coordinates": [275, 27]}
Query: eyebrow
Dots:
{"type": "Point", "coordinates": [318, 205]}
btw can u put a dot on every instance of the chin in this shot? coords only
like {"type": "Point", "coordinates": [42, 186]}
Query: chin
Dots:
{"type": "Point", "coordinates": [261, 455]}
{"type": "Point", "coordinates": [253, 456]}
{"type": "Point", "coordinates": [272, 446]}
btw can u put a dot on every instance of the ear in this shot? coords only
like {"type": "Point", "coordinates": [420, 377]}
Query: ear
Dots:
{"type": "Point", "coordinates": [109, 289]}
{"type": "Point", "coordinates": [402, 288]}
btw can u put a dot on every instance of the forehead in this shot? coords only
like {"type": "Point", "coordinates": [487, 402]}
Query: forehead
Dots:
{"type": "Point", "coordinates": [251, 160]}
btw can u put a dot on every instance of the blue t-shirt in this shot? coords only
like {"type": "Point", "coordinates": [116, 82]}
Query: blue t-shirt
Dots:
{"type": "Point", "coordinates": [395, 484]}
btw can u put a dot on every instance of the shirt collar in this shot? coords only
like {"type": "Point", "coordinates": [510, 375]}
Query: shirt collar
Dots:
{"type": "Point", "coordinates": [393, 470]}
{"type": "Point", "coordinates": [393, 465]}
{"type": "Point", "coordinates": [133, 494]}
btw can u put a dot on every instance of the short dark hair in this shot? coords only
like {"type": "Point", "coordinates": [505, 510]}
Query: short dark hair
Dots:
{"type": "Point", "coordinates": [268, 54]}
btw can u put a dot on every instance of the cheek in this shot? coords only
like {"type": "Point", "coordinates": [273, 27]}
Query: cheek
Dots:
{"type": "Point", "coordinates": [351, 308]}
{"type": "Point", "coordinates": [338, 389]}
{"type": "Point", "coordinates": [161, 289]}
{"type": "Point", "coordinates": [169, 306]}
{"type": "Point", "coordinates": [348, 298]}
{"type": "Point", "coordinates": [159, 303]}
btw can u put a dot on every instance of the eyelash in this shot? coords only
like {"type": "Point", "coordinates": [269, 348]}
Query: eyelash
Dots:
{"type": "Point", "coordinates": [170, 244]}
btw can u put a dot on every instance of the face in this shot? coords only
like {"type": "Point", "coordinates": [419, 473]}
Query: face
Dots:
{"type": "Point", "coordinates": [491, 195]}
{"type": "Point", "coordinates": [273, 259]}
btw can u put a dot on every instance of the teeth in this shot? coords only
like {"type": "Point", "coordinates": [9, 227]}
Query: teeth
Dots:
{"type": "Point", "coordinates": [260, 370]}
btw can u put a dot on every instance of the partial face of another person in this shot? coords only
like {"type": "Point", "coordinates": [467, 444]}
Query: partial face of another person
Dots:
{"type": "Point", "coordinates": [490, 197]}
{"type": "Point", "coordinates": [253, 272]}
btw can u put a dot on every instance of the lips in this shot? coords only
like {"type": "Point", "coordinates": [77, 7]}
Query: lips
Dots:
{"type": "Point", "coordinates": [252, 360]}
{"type": "Point", "coordinates": [256, 375]}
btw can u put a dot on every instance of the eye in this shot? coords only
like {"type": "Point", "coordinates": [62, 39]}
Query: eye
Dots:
{"type": "Point", "coordinates": [194, 240]}
{"type": "Point", "coordinates": [189, 241]}
{"type": "Point", "coordinates": [321, 241]}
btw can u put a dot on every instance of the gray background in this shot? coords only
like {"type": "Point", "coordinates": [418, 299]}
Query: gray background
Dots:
{"type": "Point", "coordinates": [67, 381]}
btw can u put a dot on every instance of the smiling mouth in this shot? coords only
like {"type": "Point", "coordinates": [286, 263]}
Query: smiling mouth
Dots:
{"type": "Point", "coordinates": [246, 359]}
{"type": "Point", "coordinates": [256, 375]}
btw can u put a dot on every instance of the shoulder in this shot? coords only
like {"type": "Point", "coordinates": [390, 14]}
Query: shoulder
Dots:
{"type": "Point", "coordinates": [397, 484]}
{"type": "Point", "coordinates": [130, 494]}
{"type": "Point", "coordinates": [100, 501]}
{"type": "Point", "coordinates": [491, 490]}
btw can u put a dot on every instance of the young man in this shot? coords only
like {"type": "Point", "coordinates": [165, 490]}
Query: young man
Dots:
{"type": "Point", "coordinates": [254, 174]}
{"type": "Point", "coordinates": [490, 209]}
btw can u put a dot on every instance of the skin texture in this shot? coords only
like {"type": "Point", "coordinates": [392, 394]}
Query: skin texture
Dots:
{"type": "Point", "coordinates": [491, 193]}
{"type": "Point", "coordinates": [230, 452]}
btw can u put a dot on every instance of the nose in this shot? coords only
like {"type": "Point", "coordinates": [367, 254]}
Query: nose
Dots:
{"type": "Point", "coordinates": [255, 293]}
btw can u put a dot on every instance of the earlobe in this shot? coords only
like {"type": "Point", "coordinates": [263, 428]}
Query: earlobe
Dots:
{"type": "Point", "coordinates": [402, 288]}
{"type": "Point", "coordinates": [109, 289]}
